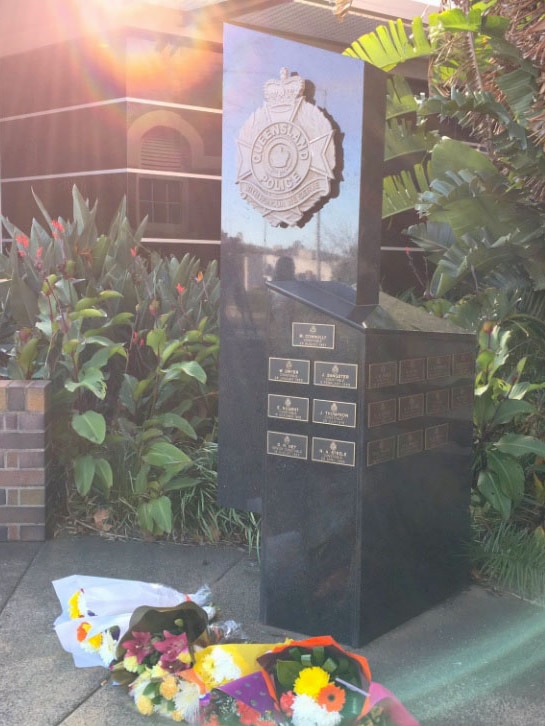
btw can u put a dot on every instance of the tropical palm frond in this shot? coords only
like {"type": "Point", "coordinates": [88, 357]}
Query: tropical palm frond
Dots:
{"type": "Point", "coordinates": [404, 137]}
{"type": "Point", "coordinates": [401, 191]}
{"type": "Point", "coordinates": [388, 46]}
{"type": "Point", "coordinates": [400, 98]}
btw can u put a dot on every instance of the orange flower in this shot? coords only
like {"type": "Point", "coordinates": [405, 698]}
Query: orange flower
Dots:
{"type": "Point", "coordinates": [199, 277]}
{"type": "Point", "coordinates": [81, 632]}
{"type": "Point", "coordinates": [331, 697]}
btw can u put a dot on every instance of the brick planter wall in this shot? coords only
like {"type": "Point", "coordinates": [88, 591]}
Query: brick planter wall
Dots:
{"type": "Point", "coordinates": [24, 460]}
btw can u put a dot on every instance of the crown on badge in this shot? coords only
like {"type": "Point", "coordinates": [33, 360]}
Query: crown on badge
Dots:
{"type": "Point", "coordinates": [286, 90]}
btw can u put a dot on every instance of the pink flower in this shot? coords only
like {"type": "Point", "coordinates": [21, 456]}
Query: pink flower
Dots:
{"type": "Point", "coordinates": [170, 648]}
{"type": "Point", "coordinates": [140, 647]}
{"type": "Point", "coordinates": [22, 239]}
{"type": "Point", "coordinates": [57, 225]}
{"type": "Point", "coordinates": [134, 251]}
{"type": "Point", "coordinates": [180, 288]}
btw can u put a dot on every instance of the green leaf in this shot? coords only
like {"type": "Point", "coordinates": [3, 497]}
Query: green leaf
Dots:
{"type": "Point", "coordinates": [84, 473]}
{"type": "Point", "coordinates": [90, 378]}
{"type": "Point", "coordinates": [509, 474]}
{"type": "Point", "coordinates": [90, 425]}
{"type": "Point", "coordinates": [141, 480]}
{"type": "Point", "coordinates": [163, 454]}
{"type": "Point", "coordinates": [145, 517]}
{"type": "Point", "coordinates": [172, 420]}
{"type": "Point", "coordinates": [170, 349]}
{"type": "Point", "coordinates": [104, 473]}
{"type": "Point", "coordinates": [518, 445]}
{"type": "Point", "coordinates": [156, 340]}
{"type": "Point", "coordinates": [161, 512]}
{"type": "Point", "coordinates": [487, 484]}
{"type": "Point", "coordinates": [186, 368]}
{"type": "Point", "coordinates": [287, 672]}
{"type": "Point", "coordinates": [508, 409]}
{"type": "Point", "coordinates": [388, 46]}
{"type": "Point", "coordinates": [180, 482]}
{"type": "Point", "coordinates": [87, 313]}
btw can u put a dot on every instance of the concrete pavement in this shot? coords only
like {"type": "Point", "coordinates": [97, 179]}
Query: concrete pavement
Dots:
{"type": "Point", "coordinates": [476, 660]}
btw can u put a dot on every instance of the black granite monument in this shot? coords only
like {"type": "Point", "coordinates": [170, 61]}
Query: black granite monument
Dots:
{"type": "Point", "coordinates": [345, 415]}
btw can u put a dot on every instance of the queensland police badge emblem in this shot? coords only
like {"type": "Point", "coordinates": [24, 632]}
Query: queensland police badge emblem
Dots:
{"type": "Point", "coordinates": [286, 153]}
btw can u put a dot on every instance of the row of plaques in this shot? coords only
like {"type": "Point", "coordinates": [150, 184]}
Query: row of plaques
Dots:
{"type": "Point", "coordinates": [379, 413]}
{"type": "Point", "coordinates": [343, 453]}
{"type": "Point", "coordinates": [381, 375]}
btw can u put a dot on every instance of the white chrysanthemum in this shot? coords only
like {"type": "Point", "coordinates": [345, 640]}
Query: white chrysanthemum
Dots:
{"type": "Point", "coordinates": [306, 712]}
{"type": "Point", "coordinates": [186, 701]}
{"type": "Point", "coordinates": [218, 667]}
{"type": "Point", "coordinates": [107, 648]}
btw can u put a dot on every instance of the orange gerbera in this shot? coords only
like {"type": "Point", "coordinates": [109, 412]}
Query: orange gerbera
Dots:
{"type": "Point", "coordinates": [331, 697]}
{"type": "Point", "coordinates": [81, 632]}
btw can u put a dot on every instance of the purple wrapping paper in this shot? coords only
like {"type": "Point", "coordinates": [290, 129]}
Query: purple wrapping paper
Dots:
{"type": "Point", "coordinates": [252, 691]}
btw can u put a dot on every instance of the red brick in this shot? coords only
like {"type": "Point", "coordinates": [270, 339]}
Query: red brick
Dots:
{"type": "Point", "coordinates": [31, 459]}
{"type": "Point", "coordinates": [22, 515]}
{"type": "Point", "coordinates": [13, 533]}
{"type": "Point", "coordinates": [11, 460]}
{"type": "Point", "coordinates": [22, 440]}
{"type": "Point", "coordinates": [16, 396]}
{"type": "Point", "coordinates": [13, 497]}
{"type": "Point", "coordinates": [37, 397]}
{"type": "Point", "coordinates": [31, 421]}
{"type": "Point", "coordinates": [3, 395]}
{"type": "Point", "coordinates": [34, 497]}
{"type": "Point", "coordinates": [32, 533]}
{"type": "Point", "coordinates": [22, 477]}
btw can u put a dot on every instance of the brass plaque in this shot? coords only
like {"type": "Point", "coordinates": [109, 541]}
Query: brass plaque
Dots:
{"type": "Point", "coordinates": [380, 413]}
{"type": "Point", "coordinates": [294, 446]}
{"type": "Point", "coordinates": [461, 396]}
{"type": "Point", "coordinates": [411, 406]}
{"type": "Point", "coordinates": [382, 375]}
{"type": "Point", "coordinates": [436, 436]}
{"type": "Point", "coordinates": [437, 402]}
{"type": "Point", "coordinates": [334, 413]}
{"type": "Point", "coordinates": [335, 375]}
{"type": "Point", "coordinates": [463, 364]}
{"type": "Point", "coordinates": [411, 442]}
{"type": "Point", "coordinates": [290, 407]}
{"type": "Point", "coordinates": [313, 335]}
{"type": "Point", "coordinates": [289, 370]}
{"type": "Point", "coordinates": [381, 450]}
{"type": "Point", "coordinates": [332, 451]}
{"type": "Point", "coordinates": [438, 366]}
{"type": "Point", "coordinates": [412, 370]}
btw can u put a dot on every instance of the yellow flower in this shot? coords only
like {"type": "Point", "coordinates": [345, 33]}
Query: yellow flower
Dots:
{"type": "Point", "coordinates": [176, 716]}
{"type": "Point", "coordinates": [158, 671]}
{"type": "Point", "coordinates": [169, 687]}
{"type": "Point", "coordinates": [130, 663]}
{"type": "Point", "coordinates": [95, 641]}
{"type": "Point", "coordinates": [73, 606]}
{"type": "Point", "coordinates": [144, 705]}
{"type": "Point", "coordinates": [185, 657]}
{"type": "Point", "coordinates": [310, 681]}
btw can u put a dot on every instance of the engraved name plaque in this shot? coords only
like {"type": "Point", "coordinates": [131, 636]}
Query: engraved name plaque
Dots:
{"type": "Point", "coordinates": [381, 450]}
{"type": "Point", "coordinates": [289, 370]}
{"type": "Point", "coordinates": [332, 451]}
{"type": "Point", "coordinates": [437, 402]}
{"type": "Point", "coordinates": [411, 406]}
{"type": "Point", "coordinates": [290, 407]}
{"type": "Point", "coordinates": [335, 375]}
{"type": "Point", "coordinates": [334, 413]}
{"type": "Point", "coordinates": [313, 335]}
{"type": "Point", "coordinates": [294, 446]}
{"type": "Point", "coordinates": [412, 370]}
{"type": "Point", "coordinates": [382, 375]}
{"type": "Point", "coordinates": [380, 413]}
{"type": "Point", "coordinates": [438, 366]}
{"type": "Point", "coordinates": [463, 364]}
{"type": "Point", "coordinates": [436, 436]}
{"type": "Point", "coordinates": [461, 396]}
{"type": "Point", "coordinates": [411, 442]}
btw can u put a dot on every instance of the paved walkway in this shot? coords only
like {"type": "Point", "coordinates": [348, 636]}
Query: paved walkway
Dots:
{"type": "Point", "coordinates": [476, 660]}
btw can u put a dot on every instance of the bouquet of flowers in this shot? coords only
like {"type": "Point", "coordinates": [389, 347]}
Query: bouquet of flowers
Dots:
{"type": "Point", "coordinates": [316, 682]}
{"type": "Point", "coordinates": [96, 612]}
